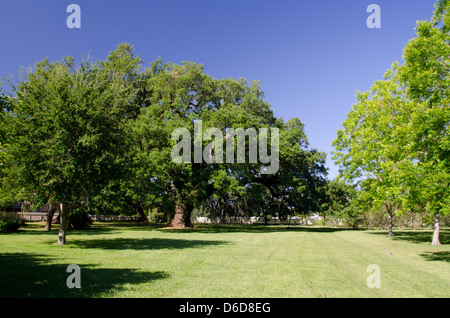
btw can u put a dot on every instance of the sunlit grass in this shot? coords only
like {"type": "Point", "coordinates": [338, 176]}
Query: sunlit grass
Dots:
{"type": "Point", "coordinates": [223, 261]}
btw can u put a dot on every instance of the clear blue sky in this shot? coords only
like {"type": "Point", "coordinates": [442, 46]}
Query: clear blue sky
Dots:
{"type": "Point", "coordinates": [311, 57]}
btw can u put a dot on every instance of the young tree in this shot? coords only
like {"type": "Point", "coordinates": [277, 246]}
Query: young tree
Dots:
{"type": "Point", "coordinates": [426, 79]}
{"type": "Point", "coordinates": [395, 140]}
{"type": "Point", "coordinates": [371, 146]}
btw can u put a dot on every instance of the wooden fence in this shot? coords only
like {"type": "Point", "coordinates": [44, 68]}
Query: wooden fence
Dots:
{"type": "Point", "coordinates": [42, 217]}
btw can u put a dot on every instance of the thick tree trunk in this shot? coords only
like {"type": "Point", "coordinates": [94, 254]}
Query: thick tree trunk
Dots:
{"type": "Point", "coordinates": [182, 217]}
{"type": "Point", "coordinates": [436, 231]}
{"type": "Point", "coordinates": [50, 214]}
{"type": "Point", "coordinates": [140, 213]}
{"type": "Point", "coordinates": [63, 225]}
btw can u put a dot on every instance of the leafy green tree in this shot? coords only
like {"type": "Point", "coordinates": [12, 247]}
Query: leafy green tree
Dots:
{"type": "Point", "coordinates": [183, 96]}
{"type": "Point", "coordinates": [295, 188]}
{"type": "Point", "coordinates": [369, 148]}
{"type": "Point", "coordinates": [425, 75]}
{"type": "Point", "coordinates": [177, 96]}
{"type": "Point", "coordinates": [338, 200]}
{"type": "Point", "coordinates": [395, 142]}
{"type": "Point", "coordinates": [67, 132]}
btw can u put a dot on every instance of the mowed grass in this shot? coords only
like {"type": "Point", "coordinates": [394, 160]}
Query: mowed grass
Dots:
{"type": "Point", "coordinates": [224, 261]}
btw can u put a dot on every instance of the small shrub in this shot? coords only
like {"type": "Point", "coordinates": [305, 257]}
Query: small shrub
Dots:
{"type": "Point", "coordinates": [9, 226]}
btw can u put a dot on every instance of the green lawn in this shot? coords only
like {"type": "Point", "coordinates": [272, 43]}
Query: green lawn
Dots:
{"type": "Point", "coordinates": [224, 261]}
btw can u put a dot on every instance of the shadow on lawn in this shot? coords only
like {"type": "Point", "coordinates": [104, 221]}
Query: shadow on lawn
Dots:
{"type": "Point", "coordinates": [253, 228]}
{"type": "Point", "coordinates": [437, 256]}
{"type": "Point", "coordinates": [419, 236]}
{"type": "Point", "coordinates": [143, 244]}
{"type": "Point", "coordinates": [31, 276]}
{"type": "Point", "coordinates": [106, 228]}
{"type": "Point", "coordinates": [38, 229]}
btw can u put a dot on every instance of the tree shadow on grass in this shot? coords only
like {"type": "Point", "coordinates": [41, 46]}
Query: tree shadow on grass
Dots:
{"type": "Point", "coordinates": [253, 228]}
{"type": "Point", "coordinates": [437, 256]}
{"type": "Point", "coordinates": [39, 230]}
{"type": "Point", "coordinates": [106, 228]}
{"type": "Point", "coordinates": [33, 276]}
{"type": "Point", "coordinates": [143, 244]}
{"type": "Point", "coordinates": [419, 236]}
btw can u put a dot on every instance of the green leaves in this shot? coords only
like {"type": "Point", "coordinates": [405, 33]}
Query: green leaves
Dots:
{"type": "Point", "coordinates": [68, 133]}
{"type": "Point", "coordinates": [395, 140]}
{"type": "Point", "coordinates": [174, 96]}
{"type": "Point", "coordinates": [98, 133]}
